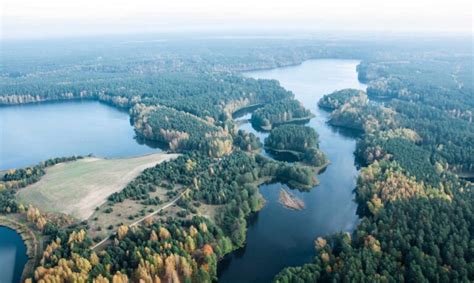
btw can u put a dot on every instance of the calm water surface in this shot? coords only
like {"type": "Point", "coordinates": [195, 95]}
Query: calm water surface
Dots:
{"type": "Point", "coordinates": [12, 255]}
{"type": "Point", "coordinates": [278, 237]}
{"type": "Point", "coordinates": [35, 132]}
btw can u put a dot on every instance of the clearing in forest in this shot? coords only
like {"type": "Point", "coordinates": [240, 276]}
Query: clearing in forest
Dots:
{"type": "Point", "coordinates": [77, 188]}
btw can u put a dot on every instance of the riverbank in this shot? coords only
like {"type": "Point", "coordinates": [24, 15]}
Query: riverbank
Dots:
{"type": "Point", "coordinates": [33, 245]}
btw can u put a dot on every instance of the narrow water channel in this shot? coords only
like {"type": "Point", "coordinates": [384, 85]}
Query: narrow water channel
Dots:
{"type": "Point", "coordinates": [278, 237]}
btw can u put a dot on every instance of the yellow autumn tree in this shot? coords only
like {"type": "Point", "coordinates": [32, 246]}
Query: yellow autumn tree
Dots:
{"type": "Point", "coordinates": [100, 279]}
{"type": "Point", "coordinates": [122, 231]}
{"type": "Point", "coordinates": [203, 227]}
{"type": "Point", "coordinates": [153, 236]}
{"type": "Point", "coordinates": [32, 214]}
{"type": "Point", "coordinates": [193, 231]}
{"type": "Point", "coordinates": [94, 259]}
{"type": "Point", "coordinates": [40, 223]}
{"type": "Point", "coordinates": [164, 233]}
{"type": "Point", "coordinates": [119, 278]}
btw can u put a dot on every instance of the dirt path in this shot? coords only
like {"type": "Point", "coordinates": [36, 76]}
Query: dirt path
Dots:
{"type": "Point", "coordinates": [143, 218]}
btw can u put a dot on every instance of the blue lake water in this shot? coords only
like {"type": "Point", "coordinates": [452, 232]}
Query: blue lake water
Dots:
{"type": "Point", "coordinates": [278, 237]}
{"type": "Point", "coordinates": [35, 132]}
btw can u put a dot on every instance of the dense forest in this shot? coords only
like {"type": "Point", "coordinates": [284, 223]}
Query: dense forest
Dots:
{"type": "Point", "coordinates": [433, 97]}
{"type": "Point", "coordinates": [363, 116]}
{"type": "Point", "coordinates": [281, 112]}
{"type": "Point", "coordinates": [247, 141]}
{"type": "Point", "coordinates": [410, 231]}
{"type": "Point", "coordinates": [209, 96]}
{"type": "Point", "coordinates": [180, 130]}
{"type": "Point", "coordinates": [298, 140]}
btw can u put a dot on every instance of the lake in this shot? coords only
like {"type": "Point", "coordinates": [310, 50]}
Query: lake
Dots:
{"type": "Point", "coordinates": [34, 132]}
{"type": "Point", "coordinates": [12, 255]}
{"type": "Point", "coordinates": [278, 237]}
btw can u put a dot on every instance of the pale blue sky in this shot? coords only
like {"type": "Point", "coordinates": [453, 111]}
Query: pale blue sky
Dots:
{"type": "Point", "coordinates": [52, 18]}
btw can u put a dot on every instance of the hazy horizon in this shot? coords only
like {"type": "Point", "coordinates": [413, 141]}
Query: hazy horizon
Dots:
{"type": "Point", "coordinates": [27, 19]}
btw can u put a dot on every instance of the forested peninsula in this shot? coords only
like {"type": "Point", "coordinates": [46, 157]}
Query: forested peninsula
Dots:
{"type": "Point", "coordinates": [299, 141]}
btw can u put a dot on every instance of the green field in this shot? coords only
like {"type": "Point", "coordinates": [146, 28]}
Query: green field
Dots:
{"type": "Point", "coordinates": [77, 188]}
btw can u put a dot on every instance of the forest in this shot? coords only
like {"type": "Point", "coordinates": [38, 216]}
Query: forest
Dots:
{"type": "Point", "coordinates": [180, 130]}
{"type": "Point", "coordinates": [247, 141]}
{"type": "Point", "coordinates": [209, 96]}
{"type": "Point", "coordinates": [434, 98]}
{"type": "Point", "coordinates": [363, 117]}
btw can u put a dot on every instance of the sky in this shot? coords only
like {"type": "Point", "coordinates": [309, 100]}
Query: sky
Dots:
{"type": "Point", "coordinates": [57, 18]}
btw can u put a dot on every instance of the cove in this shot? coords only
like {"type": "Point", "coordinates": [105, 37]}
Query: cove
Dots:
{"type": "Point", "coordinates": [35, 132]}
{"type": "Point", "coordinates": [12, 255]}
{"type": "Point", "coordinates": [278, 237]}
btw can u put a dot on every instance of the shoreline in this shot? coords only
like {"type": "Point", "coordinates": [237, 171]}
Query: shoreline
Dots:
{"type": "Point", "coordinates": [33, 246]}
{"type": "Point", "coordinates": [291, 121]}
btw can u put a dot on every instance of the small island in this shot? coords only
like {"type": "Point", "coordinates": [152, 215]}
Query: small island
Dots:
{"type": "Point", "coordinates": [290, 201]}
{"type": "Point", "coordinates": [301, 142]}
{"type": "Point", "coordinates": [281, 112]}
